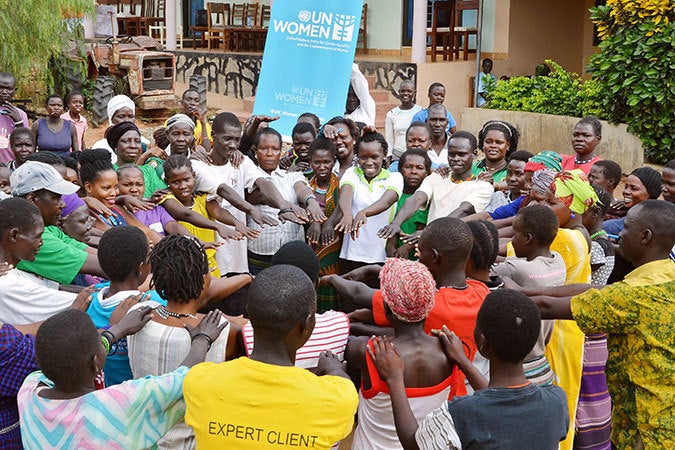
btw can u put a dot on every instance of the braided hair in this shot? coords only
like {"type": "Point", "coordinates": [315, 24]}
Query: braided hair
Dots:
{"type": "Point", "coordinates": [178, 264]}
{"type": "Point", "coordinates": [485, 243]}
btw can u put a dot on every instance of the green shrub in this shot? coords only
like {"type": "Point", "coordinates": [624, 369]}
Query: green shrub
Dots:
{"type": "Point", "coordinates": [561, 93]}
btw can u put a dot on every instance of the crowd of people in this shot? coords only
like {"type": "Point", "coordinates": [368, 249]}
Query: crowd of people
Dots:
{"type": "Point", "coordinates": [215, 287]}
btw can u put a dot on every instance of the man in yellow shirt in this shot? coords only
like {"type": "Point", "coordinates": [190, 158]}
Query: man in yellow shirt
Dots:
{"type": "Point", "coordinates": [265, 402]}
{"type": "Point", "coordinates": [638, 313]}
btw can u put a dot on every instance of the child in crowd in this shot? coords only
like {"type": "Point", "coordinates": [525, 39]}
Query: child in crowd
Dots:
{"type": "Point", "coordinates": [75, 106]}
{"type": "Point", "coordinates": [398, 120]}
{"type": "Point", "coordinates": [131, 183]}
{"type": "Point", "coordinates": [59, 406]}
{"type": "Point", "coordinates": [298, 159]}
{"type": "Point", "coordinates": [22, 141]}
{"type": "Point", "coordinates": [507, 327]}
{"type": "Point", "coordinates": [408, 290]}
{"type": "Point", "coordinates": [261, 390]}
{"type": "Point", "coordinates": [484, 253]}
{"type": "Point", "coordinates": [368, 194]}
{"type": "Point", "coordinates": [321, 236]}
{"type": "Point", "coordinates": [5, 187]}
{"type": "Point", "coordinates": [123, 256]}
{"type": "Point", "coordinates": [602, 250]}
{"type": "Point", "coordinates": [180, 274]}
{"type": "Point", "coordinates": [201, 217]}
{"type": "Point", "coordinates": [444, 247]}
{"type": "Point", "coordinates": [534, 264]}
{"type": "Point", "coordinates": [515, 182]}
{"type": "Point", "coordinates": [586, 136]}
{"type": "Point", "coordinates": [607, 173]}
{"type": "Point", "coordinates": [414, 166]}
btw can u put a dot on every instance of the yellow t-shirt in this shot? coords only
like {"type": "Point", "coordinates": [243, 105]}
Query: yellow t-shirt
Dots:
{"type": "Point", "coordinates": [638, 313]}
{"type": "Point", "coordinates": [203, 234]}
{"type": "Point", "coordinates": [247, 404]}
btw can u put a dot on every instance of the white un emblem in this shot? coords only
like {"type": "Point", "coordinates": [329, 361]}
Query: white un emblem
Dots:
{"type": "Point", "coordinates": [304, 16]}
{"type": "Point", "coordinates": [343, 28]}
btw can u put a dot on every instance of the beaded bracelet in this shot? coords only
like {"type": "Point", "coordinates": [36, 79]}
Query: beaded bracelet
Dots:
{"type": "Point", "coordinates": [206, 336]}
{"type": "Point", "coordinates": [283, 211]}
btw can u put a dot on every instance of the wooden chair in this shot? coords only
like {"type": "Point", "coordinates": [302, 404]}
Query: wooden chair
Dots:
{"type": "Point", "coordinates": [363, 28]}
{"type": "Point", "coordinates": [248, 38]}
{"type": "Point", "coordinates": [130, 22]}
{"type": "Point", "coordinates": [265, 17]}
{"type": "Point", "coordinates": [218, 15]}
{"type": "Point", "coordinates": [153, 14]}
{"type": "Point", "coordinates": [441, 30]}
{"type": "Point", "coordinates": [461, 33]}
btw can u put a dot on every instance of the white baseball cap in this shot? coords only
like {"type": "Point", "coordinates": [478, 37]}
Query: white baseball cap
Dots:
{"type": "Point", "coordinates": [33, 176]}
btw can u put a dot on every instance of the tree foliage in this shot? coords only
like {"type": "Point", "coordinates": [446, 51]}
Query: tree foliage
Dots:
{"type": "Point", "coordinates": [30, 33]}
{"type": "Point", "coordinates": [636, 70]}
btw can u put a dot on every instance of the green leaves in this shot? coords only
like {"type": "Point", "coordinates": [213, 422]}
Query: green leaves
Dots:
{"type": "Point", "coordinates": [635, 66]}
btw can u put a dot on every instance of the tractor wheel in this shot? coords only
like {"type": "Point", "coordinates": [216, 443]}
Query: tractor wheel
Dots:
{"type": "Point", "coordinates": [104, 90]}
{"type": "Point", "coordinates": [198, 84]}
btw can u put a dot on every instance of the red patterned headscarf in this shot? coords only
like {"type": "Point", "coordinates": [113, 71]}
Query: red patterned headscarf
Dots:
{"type": "Point", "coordinates": [408, 289]}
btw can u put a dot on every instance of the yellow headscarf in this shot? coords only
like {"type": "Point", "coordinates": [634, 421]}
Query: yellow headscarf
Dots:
{"type": "Point", "coordinates": [574, 190]}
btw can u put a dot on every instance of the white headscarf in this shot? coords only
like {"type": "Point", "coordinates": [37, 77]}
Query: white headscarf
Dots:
{"type": "Point", "coordinates": [180, 118]}
{"type": "Point", "coordinates": [118, 102]}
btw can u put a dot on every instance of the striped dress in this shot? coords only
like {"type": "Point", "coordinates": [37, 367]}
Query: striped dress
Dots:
{"type": "Point", "coordinates": [134, 414]}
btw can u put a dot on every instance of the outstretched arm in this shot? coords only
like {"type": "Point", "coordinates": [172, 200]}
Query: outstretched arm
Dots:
{"type": "Point", "coordinates": [553, 307]}
{"type": "Point", "coordinates": [272, 197]}
{"type": "Point", "coordinates": [412, 204]}
{"type": "Point", "coordinates": [359, 293]}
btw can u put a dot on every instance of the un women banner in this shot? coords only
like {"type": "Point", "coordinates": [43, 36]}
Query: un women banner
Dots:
{"type": "Point", "coordinates": [308, 60]}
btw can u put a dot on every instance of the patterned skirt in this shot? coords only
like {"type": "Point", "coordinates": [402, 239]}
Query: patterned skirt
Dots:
{"type": "Point", "coordinates": [594, 411]}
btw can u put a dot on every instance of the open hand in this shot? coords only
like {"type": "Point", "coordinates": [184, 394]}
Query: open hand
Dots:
{"type": "Point", "coordinates": [210, 325]}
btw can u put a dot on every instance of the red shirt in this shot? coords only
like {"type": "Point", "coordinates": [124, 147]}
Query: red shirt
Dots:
{"type": "Point", "coordinates": [569, 163]}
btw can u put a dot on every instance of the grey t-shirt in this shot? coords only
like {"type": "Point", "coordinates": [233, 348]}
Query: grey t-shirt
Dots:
{"type": "Point", "coordinates": [498, 418]}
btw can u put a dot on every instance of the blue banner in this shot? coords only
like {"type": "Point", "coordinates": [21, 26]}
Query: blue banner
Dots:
{"type": "Point", "coordinates": [307, 60]}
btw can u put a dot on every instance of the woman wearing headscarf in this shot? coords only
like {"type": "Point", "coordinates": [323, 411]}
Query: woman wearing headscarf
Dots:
{"type": "Point", "coordinates": [120, 109]}
{"type": "Point", "coordinates": [125, 139]}
{"type": "Point", "coordinates": [570, 195]}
